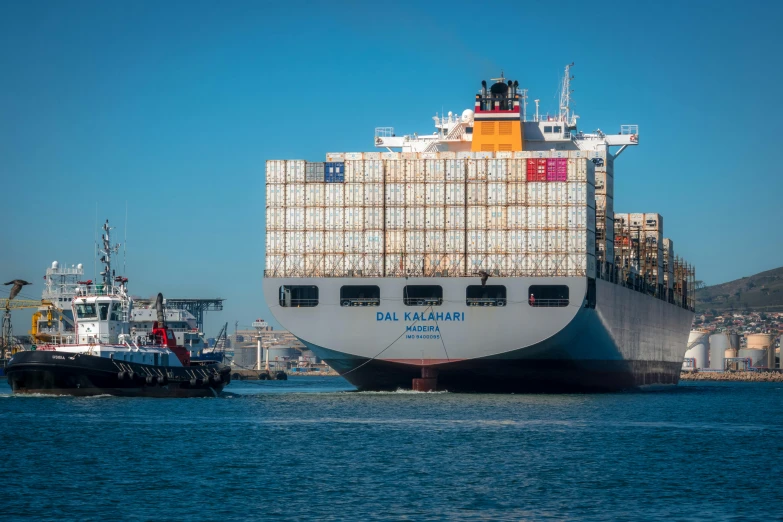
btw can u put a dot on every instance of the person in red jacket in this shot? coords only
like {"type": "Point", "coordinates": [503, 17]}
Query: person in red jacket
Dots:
{"type": "Point", "coordinates": [532, 300]}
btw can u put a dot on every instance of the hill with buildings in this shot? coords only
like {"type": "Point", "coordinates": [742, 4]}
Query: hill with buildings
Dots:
{"type": "Point", "coordinates": [760, 292]}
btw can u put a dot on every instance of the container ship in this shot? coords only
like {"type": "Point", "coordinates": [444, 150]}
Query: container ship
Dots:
{"type": "Point", "coordinates": [484, 257]}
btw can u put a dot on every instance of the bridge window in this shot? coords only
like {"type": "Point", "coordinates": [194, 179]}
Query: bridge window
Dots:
{"type": "Point", "coordinates": [490, 295]}
{"type": "Point", "coordinates": [547, 128]}
{"type": "Point", "coordinates": [423, 295]}
{"type": "Point", "coordinates": [557, 129]}
{"type": "Point", "coordinates": [298, 295]}
{"type": "Point", "coordinates": [548, 295]}
{"type": "Point", "coordinates": [360, 295]}
{"type": "Point", "coordinates": [86, 311]}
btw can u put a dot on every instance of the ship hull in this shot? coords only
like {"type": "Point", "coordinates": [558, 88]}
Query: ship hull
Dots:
{"type": "Point", "coordinates": [622, 340]}
{"type": "Point", "coordinates": [62, 373]}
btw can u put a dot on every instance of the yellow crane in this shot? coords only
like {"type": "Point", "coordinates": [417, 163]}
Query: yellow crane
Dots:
{"type": "Point", "coordinates": [51, 311]}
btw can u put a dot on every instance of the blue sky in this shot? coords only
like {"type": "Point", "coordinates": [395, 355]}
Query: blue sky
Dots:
{"type": "Point", "coordinates": [173, 107]}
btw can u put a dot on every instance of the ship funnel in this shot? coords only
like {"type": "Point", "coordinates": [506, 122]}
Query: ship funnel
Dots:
{"type": "Point", "coordinates": [159, 308]}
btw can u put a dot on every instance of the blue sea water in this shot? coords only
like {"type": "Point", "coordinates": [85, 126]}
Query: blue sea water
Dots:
{"type": "Point", "coordinates": [313, 449]}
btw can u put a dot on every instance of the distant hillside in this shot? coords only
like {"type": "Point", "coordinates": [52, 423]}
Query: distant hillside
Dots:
{"type": "Point", "coordinates": [762, 291]}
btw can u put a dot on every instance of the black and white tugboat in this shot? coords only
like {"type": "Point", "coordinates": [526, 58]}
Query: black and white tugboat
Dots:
{"type": "Point", "coordinates": [101, 357]}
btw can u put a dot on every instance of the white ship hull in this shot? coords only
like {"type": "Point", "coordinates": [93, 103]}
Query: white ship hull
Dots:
{"type": "Point", "coordinates": [628, 339]}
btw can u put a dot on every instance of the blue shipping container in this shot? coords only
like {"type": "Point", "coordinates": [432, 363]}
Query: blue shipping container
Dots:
{"type": "Point", "coordinates": [334, 172]}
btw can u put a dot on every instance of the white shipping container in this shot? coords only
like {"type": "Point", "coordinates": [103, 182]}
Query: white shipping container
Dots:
{"type": "Point", "coordinates": [516, 241]}
{"type": "Point", "coordinates": [477, 193]}
{"type": "Point", "coordinates": [653, 221]}
{"type": "Point", "coordinates": [505, 154]}
{"type": "Point", "coordinates": [415, 218]}
{"type": "Point", "coordinates": [334, 265]}
{"type": "Point", "coordinates": [314, 265]}
{"type": "Point", "coordinates": [275, 195]}
{"type": "Point", "coordinates": [295, 171]}
{"type": "Point", "coordinates": [395, 218]}
{"type": "Point", "coordinates": [390, 155]}
{"type": "Point", "coordinates": [516, 193]}
{"type": "Point", "coordinates": [275, 171]}
{"type": "Point", "coordinates": [464, 154]}
{"type": "Point", "coordinates": [414, 241]}
{"type": "Point", "coordinates": [333, 242]}
{"type": "Point", "coordinates": [354, 218]}
{"type": "Point", "coordinates": [540, 153]}
{"type": "Point", "coordinates": [354, 171]}
{"type": "Point", "coordinates": [455, 241]}
{"type": "Point", "coordinates": [436, 264]}
{"type": "Point", "coordinates": [477, 169]}
{"type": "Point", "coordinates": [354, 265]}
{"type": "Point", "coordinates": [477, 241]}
{"type": "Point", "coordinates": [577, 217]}
{"type": "Point", "coordinates": [536, 218]}
{"type": "Point", "coordinates": [517, 264]}
{"type": "Point", "coordinates": [496, 217]}
{"type": "Point", "coordinates": [497, 170]}
{"type": "Point", "coordinates": [294, 218]}
{"type": "Point", "coordinates": [373, 194]}
{"type": "Point", "coordinates": [373, 265]}
{"type": "Point", "coordinates": [435, 217]}
{"type": "Point", "coordinates": [429, 155]}
{"type": "Point", "coordinates": [373, 241]}
{"type": "Point", "coordinates": [413, 264]}
{"type": "Point", "coordinates": [414, 193]}
{"type": "Point", "coordinates": [275, 218]}
{"type": "Point", "coordinates": [496, 264]}
{"type": "Point", "coordinates": [334, 194]}
{"type": "Point", "coordinates": [295, 195]}
{"type": "Point", "coordinates": [314, 194]}
{"type": "Point", "coordinates": [455, 193]}
{"type": "Point", "coordinates": [579, 193]}
{"type": "Point", "coordinates": [274, 265]}
{"type": "Point", "coordinates": [539, 265]}
{"type": "Point", "coordinates": [557, 217]}
{"type": "Point", "coordinates": [537, 193]}
{"type": "Point", "coordinates": [314, 242]}
{"type": "Point", "coordinates": [496, 193]}
{"type": "Point", "coordinates": [435, 194]}
{"type": "Point", "coordinates": [295, 265]}
{"type": "Point", "coordinates": [637, 220]}
{"type": "Point", "coordinates": [456, 170]}
{"type": "Point", "coordinates": [394, 171]}
{"type": "Point", "coordinates": [556, 241]}
{"type": "Point", "coordinates": [395, 241]}
{"type": "Point", "coordinates": [517, 170]}
{"type": "Point", "coordinates": [395, 194]}
{"type": "Point", "coordinates": [354, 242]}
{"type": "Point", "coordinates": [334, 218]}
{"type": "Point", "coordinates": [435, 241]}
{"type": "Point", "coordinates": [577, 169]}
{"type": "Point", "coordinates": [447, 155]}
{"type": "Point", "coordinates": [477, 217]}
{"type": "Point", "coordinates": [557, 193]}
{"type": "Point", "coordinates": [579, 241]}
{"type": "Point", "coordinates": [314, 218]}
{"type": "Point", "coordinates": [497, 241]}
{"type": "Point", "coordinates": [373, 170]}
{"type": "Point", "coordinates": [354, 194]}
{"type": "Point", "coordinates": [435, 170]}
{"type": "Point", "coordinates": [536, 241]}
{"type": "Point", "coordinates": [335, 156]}
{"type": "Point", "coordinates": [415, 171]}
{"type": "Point", "coordinates": [455, 217]}
{"type": "Point", "coordinates": [373, 218]}
{"type": "Point", "coordinates": [477, 262]}
{"type": "Point", "coordinates": [517, 217]}
{"type": "Point", "coordinates": [522, 154]}
{"type": "Point", "coordinates": [275, 242]}
{"type": "Point", "coordinates": [294, 243]}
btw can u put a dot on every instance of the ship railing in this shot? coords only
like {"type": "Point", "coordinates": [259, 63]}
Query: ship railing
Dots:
{"type": "Point", "coordinates": [360, 301]}
{"type": "Point", "coordinates": [549, 303]}
{"type": "Point", "coordinates": [500, 301]}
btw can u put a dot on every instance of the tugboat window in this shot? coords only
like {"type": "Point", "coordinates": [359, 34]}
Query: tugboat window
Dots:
{"type": "Point", "coordinates": [104, 308]}
{"type": "Point", "coordinates": [298, 296]}
{"type": "Point", "coordinates": [548, 295]}
{"type": "Point", "coordinates": [86, 311]}
{"type": "Point", "coordinates": [360, 295]}
{"type": "Point", "coordinates": [422, 295]}
{"type": "Point", "coordinates": [489, 295]}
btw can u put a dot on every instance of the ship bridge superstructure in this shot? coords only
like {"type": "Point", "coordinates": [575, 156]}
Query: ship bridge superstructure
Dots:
{"type": "Point", "coordinates": [499, 122]}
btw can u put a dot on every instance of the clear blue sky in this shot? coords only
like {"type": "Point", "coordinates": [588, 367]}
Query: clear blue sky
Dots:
{"type": "Point", "coordinates": [174, 107]}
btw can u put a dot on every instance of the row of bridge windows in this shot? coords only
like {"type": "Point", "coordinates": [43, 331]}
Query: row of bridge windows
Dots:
{"type": "Point", "coordinates": [425, 295]}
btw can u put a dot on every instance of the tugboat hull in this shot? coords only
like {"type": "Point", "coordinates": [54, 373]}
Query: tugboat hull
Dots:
{"type": "Point", "coordinates": [62, 373]}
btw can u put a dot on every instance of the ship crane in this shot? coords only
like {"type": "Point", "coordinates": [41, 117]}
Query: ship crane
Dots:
{"type": "Point", "coordinates": [24, 304]}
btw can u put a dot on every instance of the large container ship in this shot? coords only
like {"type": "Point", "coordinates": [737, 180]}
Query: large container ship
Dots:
{"type": "Point", "coordinates": [486, 256]}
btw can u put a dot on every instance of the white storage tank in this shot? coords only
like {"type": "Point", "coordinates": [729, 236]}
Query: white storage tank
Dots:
{"type": "Point", "coordinates": [758, 358]}
{"type": "Point", "coordinates": [698, 348]}
{"type": "Point", "coordinates": [719, 343]}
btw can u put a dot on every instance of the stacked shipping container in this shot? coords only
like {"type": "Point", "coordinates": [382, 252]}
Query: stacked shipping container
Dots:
{"type": "Point", "coordinates": [448, 214]}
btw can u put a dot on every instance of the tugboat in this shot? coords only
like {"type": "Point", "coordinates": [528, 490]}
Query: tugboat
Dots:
{"type": "Point", "coordinates": [101, 357]}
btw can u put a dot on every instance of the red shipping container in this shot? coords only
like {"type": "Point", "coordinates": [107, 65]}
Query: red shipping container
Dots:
{"type": "Point", "coordinates": [551, 169]}
{"type": "Point", "coordinates": [536, 169]}
{"type": "Point", "coordinates": [562, 169]}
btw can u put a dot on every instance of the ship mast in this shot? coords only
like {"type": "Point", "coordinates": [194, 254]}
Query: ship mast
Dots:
{"type": "Point", "coordinates": [566, 115]}
{"type": "Point", "coordinates": [106, 252]}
